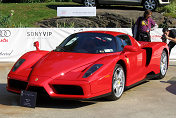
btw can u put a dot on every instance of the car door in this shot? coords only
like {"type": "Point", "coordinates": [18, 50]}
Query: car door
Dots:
{"type": "Point", "coordinates": [136, 61]}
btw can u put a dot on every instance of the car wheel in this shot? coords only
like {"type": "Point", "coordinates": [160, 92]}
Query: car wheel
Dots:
{"type": "Point", "coordinates": [150, 5]}
{"type": "Point", "coordinates": [118, 83]}
{"type": "Point", "coordinates": [90, 3]}
{"type": "Point", "coordinates": [163, 65]}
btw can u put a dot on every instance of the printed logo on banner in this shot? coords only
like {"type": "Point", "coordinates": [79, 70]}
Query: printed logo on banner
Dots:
{"type": "Point", "coordinates": [39, 34]}
{"type": "Point", "coordinates": [6, 53]}
{"type": "Point", "coordinates": [4, 40]}
{"type": "Point", "coordinates": [63, 12]}
{"type": "Point", "coordinates": [76, 11]}
{"type": "Point", "coordinates": [156, 36]}
{"type": "Point", "coordinates": [4, 35]}
{"type": "Point", "coordinates": [78, 30]}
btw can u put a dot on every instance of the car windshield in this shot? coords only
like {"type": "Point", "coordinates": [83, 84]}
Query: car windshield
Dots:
{"type": "Point", "coordinates": [88, 43]}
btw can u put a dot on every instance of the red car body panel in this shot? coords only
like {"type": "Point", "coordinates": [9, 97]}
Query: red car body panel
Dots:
{"type": "Point", "coordinates": [48, 70]}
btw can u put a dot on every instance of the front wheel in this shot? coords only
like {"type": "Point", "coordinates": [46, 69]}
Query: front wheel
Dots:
{"type": "Point", "coordinates": [118, 83]}
{"type": "Point", "coordinates": [150, 5]}
{"type": "Point", "coordinates": [163, 65]}
{"type": "Point", "coordinates": [90, 3]}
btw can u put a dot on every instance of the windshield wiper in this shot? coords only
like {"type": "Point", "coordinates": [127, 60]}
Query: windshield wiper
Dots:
{"type": "Point", "coordinates": [60, 48]}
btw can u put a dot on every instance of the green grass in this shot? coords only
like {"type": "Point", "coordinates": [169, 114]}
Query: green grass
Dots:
{"type": "Point", "coordinates": [27, 14]}
{"type": "Point", "coordinates": [169, 10]}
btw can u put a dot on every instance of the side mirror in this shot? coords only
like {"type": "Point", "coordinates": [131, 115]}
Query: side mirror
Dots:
{"type": "Point", "coordinates": [129, 48]}
{"type": "Point", "coordinates": [36, 44]}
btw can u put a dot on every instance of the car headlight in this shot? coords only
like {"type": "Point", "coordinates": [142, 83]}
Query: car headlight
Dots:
{"type": "Point", "coordinates": [92, 70]}
{"type": "Point", "coordinates": [18, 64]}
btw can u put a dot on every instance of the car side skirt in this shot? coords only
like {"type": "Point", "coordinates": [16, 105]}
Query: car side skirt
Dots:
{"type": "Point", "coordinates": [139, 82]}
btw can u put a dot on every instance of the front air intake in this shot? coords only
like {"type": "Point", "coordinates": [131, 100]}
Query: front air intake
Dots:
{"type": "Point", "coordinates": [40, 90]}
{"type": "Point", "coordinates": [18, 85]}
{"type": "Point", "coordinates": [68, 89]}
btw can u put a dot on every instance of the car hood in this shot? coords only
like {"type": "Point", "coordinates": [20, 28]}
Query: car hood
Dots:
{"type": "Point", "coordinates": [56, 63]}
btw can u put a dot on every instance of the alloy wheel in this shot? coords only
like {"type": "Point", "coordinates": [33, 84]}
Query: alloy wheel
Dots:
{"type": "Point", "coordinates": [150, 5]}
{"type": "Point", "coordinates": [163, 63]}
{"type": "Point", "coordinates": [90, 3]}
{"type": "Point", "coordinates": [118, 81]}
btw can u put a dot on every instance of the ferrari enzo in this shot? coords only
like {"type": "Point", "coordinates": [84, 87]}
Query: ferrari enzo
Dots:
{"type": "Point", "coordinates": [88, 65]}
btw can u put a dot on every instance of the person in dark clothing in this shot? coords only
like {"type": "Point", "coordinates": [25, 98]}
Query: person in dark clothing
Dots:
{"type": "Point", "coordinates": [170, 35]}
{"type": "Point", "coordinates": [143, 26]}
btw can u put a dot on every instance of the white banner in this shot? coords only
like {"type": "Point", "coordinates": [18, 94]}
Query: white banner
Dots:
{"type": "Point", "coordinates": [14, 42]}
{"type": "Point", "coordinates": [76, 11]}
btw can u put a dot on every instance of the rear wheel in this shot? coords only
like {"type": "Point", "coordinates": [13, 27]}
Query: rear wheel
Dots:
{"type": "Point", "coordinates": [118, 83]}
{"type": "Point", "coordinates": [90, 3]}
{"type": "Point", "coordinates": [150, 5]}
{"type": "Point", "coordinates": [163, 65]}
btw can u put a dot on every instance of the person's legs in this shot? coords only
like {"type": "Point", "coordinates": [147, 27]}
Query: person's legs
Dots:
{"type": "Point", "coordinates": [171, 45]}
{"type": "Point", "coordinates": [148, 39]}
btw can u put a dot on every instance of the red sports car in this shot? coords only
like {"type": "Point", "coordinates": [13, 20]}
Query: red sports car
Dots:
{"type": "Point", "coordinates": [88, 65]}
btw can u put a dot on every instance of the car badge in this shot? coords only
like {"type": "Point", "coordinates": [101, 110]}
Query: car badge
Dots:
{"type": "Point", "coordinates": [36, 79]}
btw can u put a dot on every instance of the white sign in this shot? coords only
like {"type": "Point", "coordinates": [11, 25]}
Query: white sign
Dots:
{"type": "Point", "coordinates": [76, 11]}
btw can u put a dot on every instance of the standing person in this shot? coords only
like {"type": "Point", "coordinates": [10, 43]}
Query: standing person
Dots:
{"type": "Point", "coordinates": [143, 26]}
{"type": "Point", "coordinates": [170, 35]}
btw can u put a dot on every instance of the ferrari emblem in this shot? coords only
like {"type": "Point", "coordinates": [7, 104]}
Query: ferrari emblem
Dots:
{"type": "Point", "coordinates": [127, 60]}
{"type": "Point", "coordinates": [36, 79]}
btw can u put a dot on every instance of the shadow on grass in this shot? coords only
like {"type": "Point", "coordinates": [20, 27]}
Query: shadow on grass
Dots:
{"type": "Point", "coordinates": [55, 6]}
{"type": "Point", "coordinates": [121, 7]}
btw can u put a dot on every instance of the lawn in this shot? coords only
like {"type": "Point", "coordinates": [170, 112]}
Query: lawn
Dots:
{"type": "Point", "coordinates": [27, 14]}
{"type": "Point", "coordinates": [169, 10]}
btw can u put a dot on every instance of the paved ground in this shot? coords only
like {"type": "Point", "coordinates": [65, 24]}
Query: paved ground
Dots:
{"type": "Point", "coordinates": [152, 99]}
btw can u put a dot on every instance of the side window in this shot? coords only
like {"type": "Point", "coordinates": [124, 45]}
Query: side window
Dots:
{"type": "Point", "coordinates": [125, 39]}
{"type": "Point", "coordinates": [119, 44]}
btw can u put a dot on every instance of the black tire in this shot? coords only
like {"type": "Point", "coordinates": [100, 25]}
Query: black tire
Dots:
{"type": "Point", "coordinates": [150, 5]}
{"type": "Point", "coordinates": [163, 65]}
{"type": "Point", "coordinates": [118, 82]}
{"type": "Point", "coordinates": [90, 3]}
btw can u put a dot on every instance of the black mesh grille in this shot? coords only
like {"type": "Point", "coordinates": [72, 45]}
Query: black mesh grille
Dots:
{"type": "Point", "coordinates": [68, 89]}
{"type": "Point", "coordinates": [40, 90]}
{"type": "Point", "coordinates": [18, 85]}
